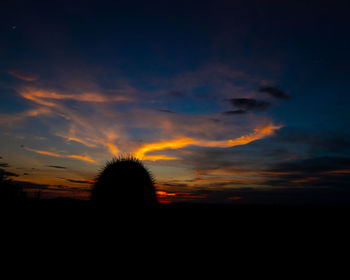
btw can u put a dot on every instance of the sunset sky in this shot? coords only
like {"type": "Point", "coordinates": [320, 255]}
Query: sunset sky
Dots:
{"type": "Point", "coordinates": [225, 101]}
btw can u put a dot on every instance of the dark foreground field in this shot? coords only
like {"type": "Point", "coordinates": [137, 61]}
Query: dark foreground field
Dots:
{"type": "Point", "coordinates": [179, 227]}
{"type": "Point", "coordinates": [225, 214]}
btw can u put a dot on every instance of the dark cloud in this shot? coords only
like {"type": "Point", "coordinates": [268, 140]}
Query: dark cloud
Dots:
{"type": "Point", "coordinates": [173, 184]}
{"type": "Point", "coordinates": [177, 93]}
{"type": "Point", "coordinates": [4, 174]}
{"type": "Point", "coordinates": [234, 112]}
{"type": "Point", "coordinates": [287, 146]}
{"type": "Point", "coordinates": [57, 166]}
{"type": "Point", "coordinates": [29, 185]}
{"type": "Point", "coordinates": [79, 181]}
{"type": "Point", "coordinates": [326, 172]}
{"type": "Point", "coordinates": [274, 92]}
{"type": "Point", "coordinates": [249, 104]}
{"type": "Point", "coordinates": [315, 165]}
{"type": "Point", "coordinates": [216, 120]}
{"type": "Point", "coordinates": [166, 111]}
{"type": "Point", "coordinates": [329, 142]}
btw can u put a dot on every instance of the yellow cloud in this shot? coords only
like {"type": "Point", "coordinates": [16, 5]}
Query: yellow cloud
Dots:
{"type": "Point", "coordinates": [112, 148]}
{"type": "Point", "coordinates": [173, 144]}
{"type": "Point", "coordinates": [259, 133]}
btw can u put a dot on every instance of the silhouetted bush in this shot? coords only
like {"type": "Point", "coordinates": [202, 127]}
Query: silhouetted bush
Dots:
{"type": "Point", "coordinates": [124, 182]}
{"type": "Point", "coordinates": [10, 192]}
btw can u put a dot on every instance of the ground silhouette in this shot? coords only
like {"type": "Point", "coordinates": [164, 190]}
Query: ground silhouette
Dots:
{"type": "Point", "coordinates": [124, 182]}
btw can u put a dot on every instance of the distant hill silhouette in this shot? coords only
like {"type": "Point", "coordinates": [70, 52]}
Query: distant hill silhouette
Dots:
{"type": "Point", "coordinates": [124, 182]}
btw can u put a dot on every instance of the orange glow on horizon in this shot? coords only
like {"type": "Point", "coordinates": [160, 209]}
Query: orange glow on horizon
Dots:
{"type": "Point", "coordinates": [306, 180]}
{"type": "Point", "coordinates": [235, 198]}
{"type": "Point", "coordinates": [163, 193]}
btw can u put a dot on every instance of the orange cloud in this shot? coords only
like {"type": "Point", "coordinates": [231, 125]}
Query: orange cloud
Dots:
{"type": "Point", "coordinates": [173, 144]}
{"type": "Point", "coordinates": [51, 154]}
{"type": "Point", "coordinates": [75, 139]}
{"type": "Point", "coordinates": [112, 148]}
{"type": "Point", "coordinates": [306, 180]}
{"type": "Point", "coordinates": [42, 97]}
{"type": "Point", "coordinates": [84, 158]}
{"type": "Point", "coordinates": [18, 117]}
{"type": "Point", "coordinates": [259, 133]}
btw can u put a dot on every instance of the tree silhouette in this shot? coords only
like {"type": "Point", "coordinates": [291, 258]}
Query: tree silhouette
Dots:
{"type": "Point", "coordinates": [124, 182]}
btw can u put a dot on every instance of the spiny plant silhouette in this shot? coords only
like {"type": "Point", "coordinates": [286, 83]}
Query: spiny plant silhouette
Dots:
{"type": "Point", "coordinates": [124, 182]}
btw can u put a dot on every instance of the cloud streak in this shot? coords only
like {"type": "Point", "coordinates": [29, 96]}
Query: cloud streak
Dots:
{"type": "Point", "coordinates": [57, 166]}
{"type": "Point", "coordinates": [250, 104]}
{"type": "Point", "coordinates": [259, 133]}
{"type": "Point", "coordinates": [46, 97]}
{"type": "Point", "coordinates": [52, 154]}
{"type": "Point", "coordinates": [23, 76]}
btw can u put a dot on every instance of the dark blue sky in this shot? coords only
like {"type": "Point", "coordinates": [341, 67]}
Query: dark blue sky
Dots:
{"type": "Point", "coordinates": [83, 81]}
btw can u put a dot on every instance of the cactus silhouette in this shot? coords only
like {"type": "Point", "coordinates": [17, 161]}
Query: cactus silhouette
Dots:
{"type": "Point", "coordinates": [124, 182]}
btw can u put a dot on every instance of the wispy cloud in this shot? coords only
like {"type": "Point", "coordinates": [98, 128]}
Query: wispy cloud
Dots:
{"type": "Point", "coordinates": [57, 166]}
{"type": "Point", "coordinates": [259, 133]}
{"type": "Point", "coordinates": [87, 181]}
{"type": "Point", "coordinates": [173, 144]}
{"type": "Point", "coordinates": [46, 97]}
{"type": "Point", "coordinates": [53, 154]}
{"type": "Point", "coordinates": [234, 112]}
{"type": "Point", "coordinates": [274, 92]}
{"type": "Point", "coordinates": [11, 118]}
{"type": "Point", "coordinates": [23, 76]}
{"type": "Point", "coordinates": [250, 104]}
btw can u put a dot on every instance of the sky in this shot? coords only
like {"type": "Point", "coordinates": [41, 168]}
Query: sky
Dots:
{"type": "Point", "coordinates": [224, 101]}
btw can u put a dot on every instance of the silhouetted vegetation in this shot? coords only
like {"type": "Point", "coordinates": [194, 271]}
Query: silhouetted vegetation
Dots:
{"type": "Point", "coordinates": [124, 182]}
{"type": "Point", "coordinates": [10, 192]}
